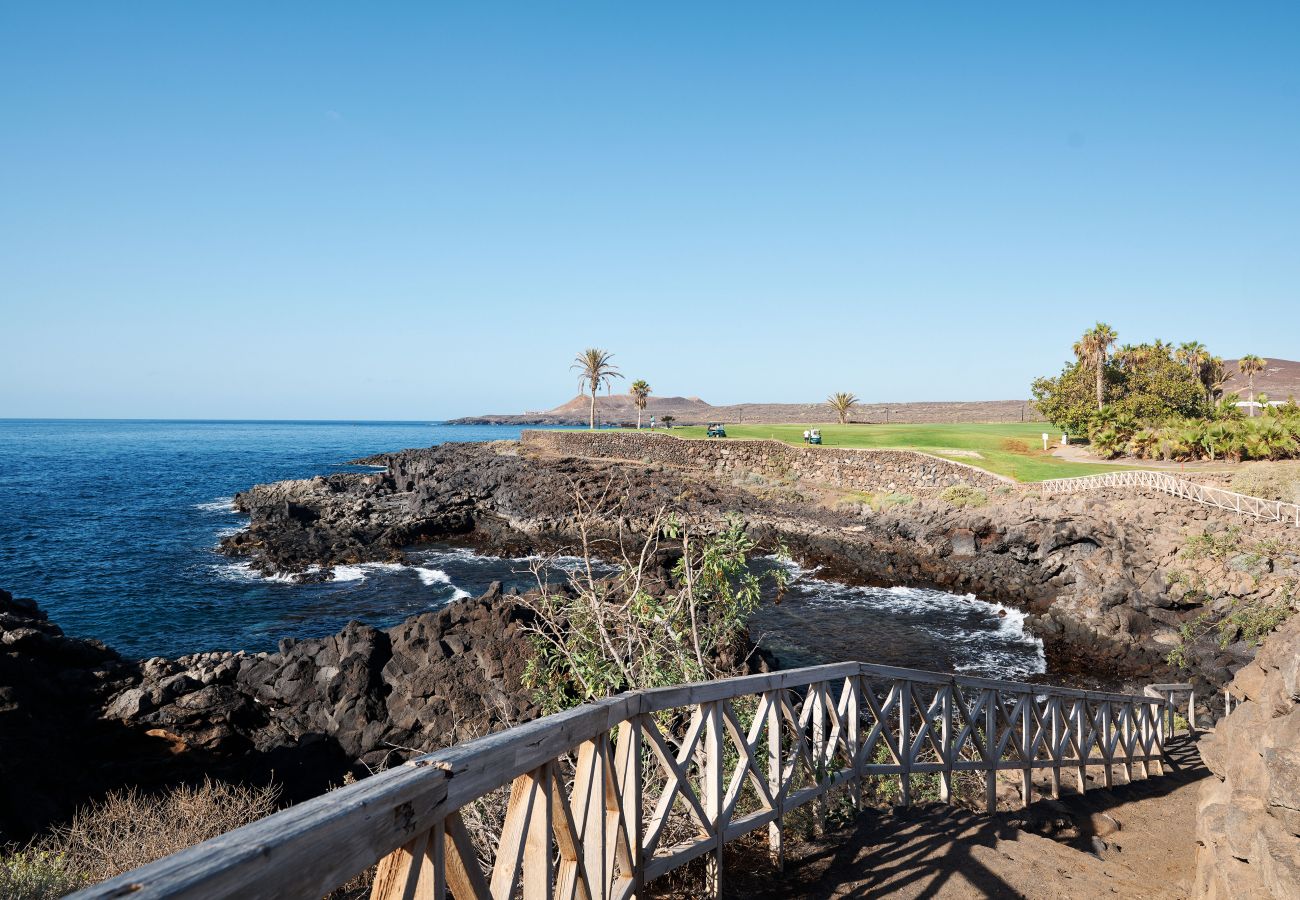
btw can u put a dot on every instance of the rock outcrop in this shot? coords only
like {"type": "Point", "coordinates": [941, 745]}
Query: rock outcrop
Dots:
{"type": "Point", "coordinates": [55, 750]}
{"type": "Point", "coordinates": [1107, 578]}
{"type": "Point", "coordinates": [1248, 824]}
{"type": "Point", "coordinates": [363, 698]}
{"type": "Point", "coordinates": [77, 721]}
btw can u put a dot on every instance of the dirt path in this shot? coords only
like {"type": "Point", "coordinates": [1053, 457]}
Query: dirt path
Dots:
{"type": "Point", "coordinates": [1136, 840]}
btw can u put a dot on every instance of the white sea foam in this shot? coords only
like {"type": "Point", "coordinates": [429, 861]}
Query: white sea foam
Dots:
{"type": "Point", "coordinates": [1007, 648]}
{"type": "Point", "coordinates": [792, 568]}
{"type": "Point", "coordinates": [221, 504]}
{"type": "Point", "coordinates": [430, 577]}
{"type": "Point", "coordinates": [244, 571]}
{"type": "Point", "coordinates": [227, 532]}
{"type": "Point", "coordinates": [360, 571]}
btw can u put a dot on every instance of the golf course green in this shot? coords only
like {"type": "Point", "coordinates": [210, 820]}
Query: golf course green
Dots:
{"type": "Point", "coordinates": [1012, 449]}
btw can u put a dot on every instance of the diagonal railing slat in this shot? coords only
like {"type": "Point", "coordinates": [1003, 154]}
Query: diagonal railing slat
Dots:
{"type": "Point", "coordinates": [726, 757]}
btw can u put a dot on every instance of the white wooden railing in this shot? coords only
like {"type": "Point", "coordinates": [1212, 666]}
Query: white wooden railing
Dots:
{"type": "Point", "coordinates": [609, 796]}
{"type": "Point", "coordinates": [1171, 693]}
{"type": "Point", "coordinates": [1244, 504]}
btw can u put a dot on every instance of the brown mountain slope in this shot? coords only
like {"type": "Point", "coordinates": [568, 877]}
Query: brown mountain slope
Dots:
{"type": "Point", "coordinates": [618, 409]}
{"type": "Point", "coordinates": [1280, 379]}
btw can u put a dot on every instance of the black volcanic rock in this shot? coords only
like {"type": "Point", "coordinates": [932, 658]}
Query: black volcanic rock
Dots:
{"type": "Point", "coordinates": [77, 721]}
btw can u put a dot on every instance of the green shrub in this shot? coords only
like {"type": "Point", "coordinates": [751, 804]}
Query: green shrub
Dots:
{"type": "Point", "coordinates": [1212, 544]}
{"type": "Point", "coordinates": [964, 495]}
{"type": "Point", "coordinates": [893, 499]}
{"type": "Point", "coordinates": [1249, 621]}
{"type": "Point", "coordinates": [596, 637]}
{"type": "Point", "coordinates": [37, 875]}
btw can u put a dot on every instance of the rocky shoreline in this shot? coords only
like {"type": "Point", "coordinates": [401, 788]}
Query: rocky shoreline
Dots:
{"type": "Point", "coordinates": [1106, 581]}
{"type": "Point", "coordinates": [1104, 577]}
{"type": "Point", "coordinates": [77, 720]}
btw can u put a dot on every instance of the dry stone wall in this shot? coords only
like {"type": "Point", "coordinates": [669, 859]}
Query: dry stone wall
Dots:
{"type": "Point", "coordinates": [901, 471]}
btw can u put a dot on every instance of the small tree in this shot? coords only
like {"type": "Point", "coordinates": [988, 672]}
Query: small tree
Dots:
{"type": "Point", "coordinates": [640, 392]}
{"type": "Point", "coordinates": [1251, 365]}
{"type": "Point", "coordinates": [594, 369]}
{"type": "Point", "coordinates": [669, 420]}
{"type": "Point", "coordinates": [842, 403]}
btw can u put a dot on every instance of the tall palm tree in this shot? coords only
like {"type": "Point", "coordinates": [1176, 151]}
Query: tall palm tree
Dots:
{"type": "Point", "coordinates": [1251, 365]}
{"type": "Point", "coordinates": [842, 403]}
{"type": "Point", "coordinates": [640, 391]}
{"type": "Point", "coordinates": [1192, 354]}
{"type": "Point", "coordinates": [594, 369]}
{"type": "Point", "coordinates": [1093, 349]}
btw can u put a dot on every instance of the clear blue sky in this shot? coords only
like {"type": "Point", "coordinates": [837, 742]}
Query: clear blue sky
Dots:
{"type": "Point", "coordinates": [418, 210]}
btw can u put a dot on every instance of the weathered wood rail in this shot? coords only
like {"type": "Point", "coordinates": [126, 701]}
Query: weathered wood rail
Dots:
{"type": "Point", "coordinates": [1170, 693]}
{"type": "Point", "coordinates": [609, 796]}
{"type": "Point", "coordinates": [1243, 504]}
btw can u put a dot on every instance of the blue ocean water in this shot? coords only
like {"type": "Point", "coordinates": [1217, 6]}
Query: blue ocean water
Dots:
{"type": "Point", "coordinates": [112, 527]}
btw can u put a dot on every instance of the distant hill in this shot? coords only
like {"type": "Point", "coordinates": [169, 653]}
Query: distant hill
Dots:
{"type": "Point", "coordinates": [618, 409]}
{"type": "Point", "coordinates": [1280, 379]}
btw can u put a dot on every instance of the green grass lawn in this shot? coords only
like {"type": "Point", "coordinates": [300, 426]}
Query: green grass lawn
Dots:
{"type": "Point", "coordinates": [1014, 449]}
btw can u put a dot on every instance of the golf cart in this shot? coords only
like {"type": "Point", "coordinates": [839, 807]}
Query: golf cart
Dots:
{"type": "Point", "coordinates": [716, 430]}
{"type": "Point", "coordinates": [815, 436]}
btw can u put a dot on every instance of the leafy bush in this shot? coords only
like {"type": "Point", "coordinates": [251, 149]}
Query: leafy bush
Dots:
{"type": "Point", "coordinates": [1250, 621]}
{"type": "Point", "coordinates": [37, 875]}
{"type": "Point", "coordinates": [964, 495]}
{"type": "Point", "coordinates": [598, 636]}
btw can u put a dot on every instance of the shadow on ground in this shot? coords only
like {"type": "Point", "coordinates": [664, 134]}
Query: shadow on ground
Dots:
{"type": "Point", "coordinates": [1055, 848]}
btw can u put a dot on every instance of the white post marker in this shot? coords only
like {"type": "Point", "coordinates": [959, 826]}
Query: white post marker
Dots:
{"type": "Point", "coordinates": [1065, 439]}
{"type": "Point", "coordinates": [1046, 438]}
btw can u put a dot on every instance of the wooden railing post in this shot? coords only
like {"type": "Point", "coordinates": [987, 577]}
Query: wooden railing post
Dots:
{"type": "Point", "coordinates": [1026, 750]}
{"type": "Point", "coordinates": [946, 743]}
{"type": "Point", "coordinates": [714, 747]}
{"type": "Point", "coordinates": [1126, 738]}
{"type": "Point", "coordinates": [627, 790]}
{"type": "Point", "coordinates": [817, 696]}
{"type": "Point", "coordinates": [775, 781]}
{"type": "Point", "coordinates": [905, 742]}
{"type": "Point", "coordinates": [1107, 745]}
{"type": "Point", "coordinates": [1054, 707]}
{"type": "Point", "coordinates": [539, 864]}
{"type": "Point", "coordinates": [991, 701]}
{"type": "Point", "coordinates": [853, 735]}
{"type": "Point", "coordinates": [1082, 744]}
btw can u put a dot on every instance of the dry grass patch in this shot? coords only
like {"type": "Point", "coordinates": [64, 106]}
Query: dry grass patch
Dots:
{"type": "Point", "coordinates": [127, 830]}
